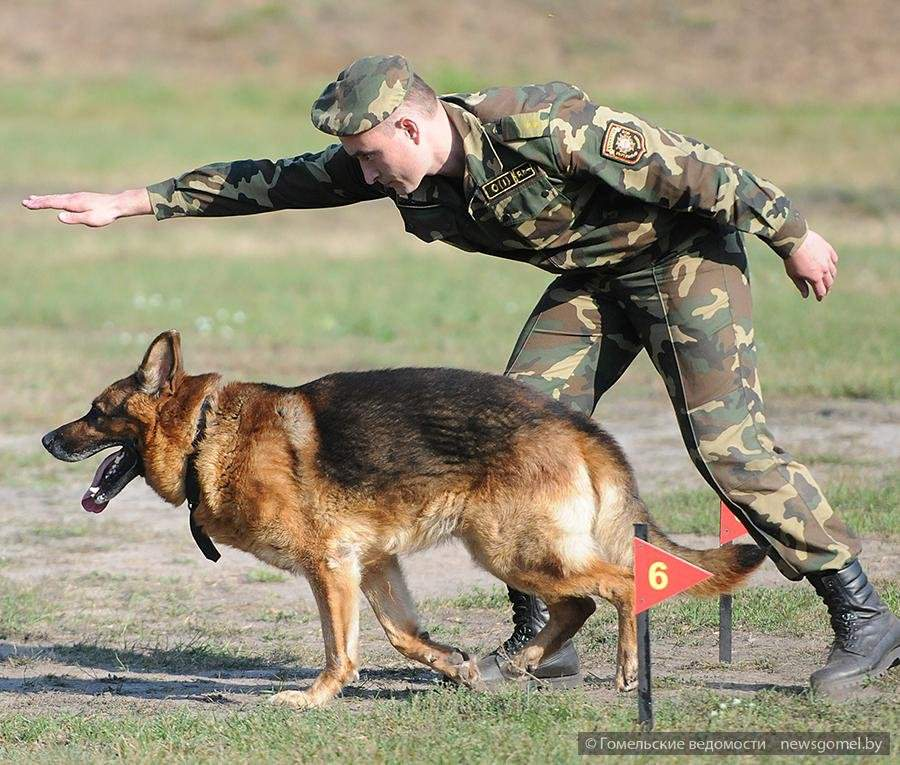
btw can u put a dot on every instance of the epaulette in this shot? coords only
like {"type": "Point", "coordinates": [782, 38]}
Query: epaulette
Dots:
{"type": "Point", "coordinates": [517, 127]}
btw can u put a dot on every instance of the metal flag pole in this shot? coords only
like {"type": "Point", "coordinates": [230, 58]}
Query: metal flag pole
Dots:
{"type": "Point", "coordinates": [729, 528]}
{"type": "Point", "coordinates": [725, 627]}
{"type": "Point", "coordinates": [645, 698]}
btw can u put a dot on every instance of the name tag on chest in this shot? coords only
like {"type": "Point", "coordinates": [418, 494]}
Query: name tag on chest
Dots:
{"type": "Point", "coordinates": [500, 185]}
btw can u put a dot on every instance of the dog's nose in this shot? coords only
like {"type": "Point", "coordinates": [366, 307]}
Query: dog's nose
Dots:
{"type": "Point", "coordinates": [47, 440]}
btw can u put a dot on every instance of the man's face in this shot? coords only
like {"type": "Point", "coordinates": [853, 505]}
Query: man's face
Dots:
{"type": "Point", "coordinates": [392, 154]}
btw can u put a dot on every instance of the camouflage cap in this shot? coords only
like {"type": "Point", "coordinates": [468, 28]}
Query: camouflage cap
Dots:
{"type": "Point", "coordinates": [363, 95]}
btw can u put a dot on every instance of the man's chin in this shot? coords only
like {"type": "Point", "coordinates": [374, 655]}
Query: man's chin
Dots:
{"type": "Point", "coordinates": [404, 189]}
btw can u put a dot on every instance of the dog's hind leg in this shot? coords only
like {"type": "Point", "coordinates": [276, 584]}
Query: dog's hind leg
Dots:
{"type": "Point", "coordinates": [566, 616]}
{"type": "Point", "coordinates": [385, 588]}
{"type": "Point", "coordinates": [620, 592]}
{"type": "Point", "coordinates": [609, 581]}
{"type": "Point", "coordinates": [335, 585]}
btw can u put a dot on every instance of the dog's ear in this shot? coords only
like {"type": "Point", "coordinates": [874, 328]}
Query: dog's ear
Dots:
{"type": "Point", "coordinates": [161, 366]}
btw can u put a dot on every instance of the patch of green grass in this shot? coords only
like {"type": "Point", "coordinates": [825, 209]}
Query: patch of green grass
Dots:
{"type": "Point", "coordinates": [839, 348]}
{"type": "Point", "coordinates": [685, 511]}
{"type": "Point", "coordinates": [875, 202]}
{"type": "Point", "coordinates": [794, 611]}
{"type": "Point", "coordinates": [24, 611]}
{"type": "Point", "coordinates": [476, 597]}
{"type": "Point", "coordinates": [55, 531]}
{"type": "Point", "coordinates": [245, 21]}
{"type": "Point", "coordinates": [869, 509]}
{"type": "Point", "coordinates": [196, 653]}
{"type": "Point", "coordinates": [872, 510]}
{"type": "Point", "coordinates": [279, 615]}
{"type": "Point", "coordinates": [835, 458]}
{"type": "Point", "coordinates": [791, 611]}
{"type": "Point", "coordinates": [103, 578]}
{"type": "Point", "coordinates": [263, 575]}
{"type": "Point", "coordinates": [437, 310]}
{"type": "Point", "coordinates": [431, 725]}
{"type": "Point", "coordinates": [33, 468]}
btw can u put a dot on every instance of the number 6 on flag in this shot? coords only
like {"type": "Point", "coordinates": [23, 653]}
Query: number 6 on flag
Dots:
{"type": "Point", "coordinates": [659, 575]}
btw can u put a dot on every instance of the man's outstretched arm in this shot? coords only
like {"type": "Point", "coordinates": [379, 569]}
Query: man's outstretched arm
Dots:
{"type": "Point", "coordinates": [324, 179]}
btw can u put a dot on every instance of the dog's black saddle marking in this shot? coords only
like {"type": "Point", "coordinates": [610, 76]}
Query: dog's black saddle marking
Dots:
{"type": "Point", "coordinates": [192, 490]}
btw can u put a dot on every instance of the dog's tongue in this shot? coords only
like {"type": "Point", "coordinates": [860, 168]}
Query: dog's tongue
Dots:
{"type": "Point", "coordinates": [87, 501]}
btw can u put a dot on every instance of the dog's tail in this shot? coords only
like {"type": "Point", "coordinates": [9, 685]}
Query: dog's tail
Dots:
{"type": "Point", "coordinates": [730, 565]}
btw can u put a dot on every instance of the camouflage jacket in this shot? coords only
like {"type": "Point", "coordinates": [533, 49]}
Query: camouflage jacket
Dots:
{"type": "Point", "coordinates": [550, 178]}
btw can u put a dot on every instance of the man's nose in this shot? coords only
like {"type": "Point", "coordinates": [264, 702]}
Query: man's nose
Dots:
{"type": "Point", "coordinates": [369, 176]}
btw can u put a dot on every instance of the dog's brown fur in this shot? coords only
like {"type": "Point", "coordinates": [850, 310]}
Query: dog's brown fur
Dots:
{"type": "Point", "coordinates": [334, 479]}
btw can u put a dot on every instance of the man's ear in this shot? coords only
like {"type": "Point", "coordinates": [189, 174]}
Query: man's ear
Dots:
{"type": "Point", "coordinates": [411, 128]}
{"type": "Point", "coordinates": [161, 366]}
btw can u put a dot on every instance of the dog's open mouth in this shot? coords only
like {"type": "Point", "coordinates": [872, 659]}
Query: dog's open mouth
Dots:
{"type": "Point", "coordinates": [111, 477]}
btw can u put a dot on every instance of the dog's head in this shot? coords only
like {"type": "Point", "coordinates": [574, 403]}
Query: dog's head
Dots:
{"type": "Point", "coordinates": [140, 414]}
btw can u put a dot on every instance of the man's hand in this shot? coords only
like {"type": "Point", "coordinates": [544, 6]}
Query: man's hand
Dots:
{"type": "Point", "coordinates": [813, 264]}
{"type": "Point", "coordinates": [92, 209]}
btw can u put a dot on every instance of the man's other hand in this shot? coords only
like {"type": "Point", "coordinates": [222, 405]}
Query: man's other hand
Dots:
{"type": "Point", "coordinates": [814, 264]}
{"type": "Point", "coordinates": [91, 209]}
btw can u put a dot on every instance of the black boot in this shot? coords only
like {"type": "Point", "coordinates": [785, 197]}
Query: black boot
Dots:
{"type": "Point", "coordinates": [561, 670]}
{"type": "Point", "coordinates": [867, 634]}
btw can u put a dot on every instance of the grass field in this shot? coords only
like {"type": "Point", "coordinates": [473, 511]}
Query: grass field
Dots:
{"type": "Point", "coordinates": [449, 727]}
{"type": "Point", "coordinates": [117, 643]}
{"type": "Point", "coordinates": [309, 284]}
{"type": "Point", "coordinates": [370, 723]}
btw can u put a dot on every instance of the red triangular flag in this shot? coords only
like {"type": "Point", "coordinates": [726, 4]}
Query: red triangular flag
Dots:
{"type": "Point", "coordinates": [729, 525]}
{"type": "Point", "coordinates": [659, 575]}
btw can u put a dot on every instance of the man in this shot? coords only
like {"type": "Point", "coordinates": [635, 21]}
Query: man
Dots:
{"type": "Point", "coordinates": [643, 227]}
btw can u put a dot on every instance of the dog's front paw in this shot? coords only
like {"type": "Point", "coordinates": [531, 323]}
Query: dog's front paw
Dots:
{"type": "Point", "coordinates": [526, 661]}
{"type": "Point", "coordinates": [294, 699]}
{"type": "Point", "coordinates": [470, 677]}
{"type": "Point", "coordinates": [626, 681]}
{"type": "Point", "coordinates": [465, 671]}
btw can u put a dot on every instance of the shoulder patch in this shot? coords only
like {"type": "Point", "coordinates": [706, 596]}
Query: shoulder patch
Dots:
{"type": "Point", "coordinates": [623, 144]}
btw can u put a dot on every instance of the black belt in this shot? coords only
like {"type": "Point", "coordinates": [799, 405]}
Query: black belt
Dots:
{"type": "Point", "coordinates": [192, 491]}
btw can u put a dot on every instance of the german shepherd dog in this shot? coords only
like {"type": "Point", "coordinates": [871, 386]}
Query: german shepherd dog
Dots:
{"type": "Point", "coordinates": [336, 478]}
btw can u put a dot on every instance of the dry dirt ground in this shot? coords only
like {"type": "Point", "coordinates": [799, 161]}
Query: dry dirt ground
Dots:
{"type": "Point", "coordinates": [149, 601]}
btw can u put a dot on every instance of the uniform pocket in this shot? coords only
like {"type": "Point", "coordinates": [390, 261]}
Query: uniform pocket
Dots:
{"type": "Point", "coordinates": [429, 223]}
{"type": "Point", "coordinates": [535, 211]}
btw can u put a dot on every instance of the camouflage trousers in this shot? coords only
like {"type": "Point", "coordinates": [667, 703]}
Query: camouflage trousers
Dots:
{"type": "Point", "coordinates": [691, 311]}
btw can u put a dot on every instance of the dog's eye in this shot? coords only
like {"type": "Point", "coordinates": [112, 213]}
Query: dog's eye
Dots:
{"type": "Point", "coordinates": [94, 413]}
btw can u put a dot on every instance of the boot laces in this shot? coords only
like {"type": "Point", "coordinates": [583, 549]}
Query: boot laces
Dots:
{"type": "Point", "coordinates": [844, 625]}
{"type": "Point", "coordinates": [843, 619]}
{"type": "Point", "coordinates": [522, 630]}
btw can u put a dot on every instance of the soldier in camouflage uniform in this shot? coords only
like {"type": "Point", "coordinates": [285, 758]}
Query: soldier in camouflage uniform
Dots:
{"type": "Point", "coordinates": [643, 228]}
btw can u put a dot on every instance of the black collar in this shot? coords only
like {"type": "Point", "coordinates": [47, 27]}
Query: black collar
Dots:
{"type": "Point", "coordinates": [192, 488]}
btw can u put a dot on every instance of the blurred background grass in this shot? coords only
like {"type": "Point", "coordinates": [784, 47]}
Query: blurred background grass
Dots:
{"type": "Point", "coordinates": [116, 96]}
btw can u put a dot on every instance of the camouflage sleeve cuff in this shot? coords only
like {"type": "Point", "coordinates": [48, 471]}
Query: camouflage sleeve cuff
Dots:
{"type": "Point", "coordinates": [161, 200]}
{"type": "Point", "coordinates": [790, 236]}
